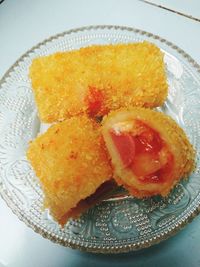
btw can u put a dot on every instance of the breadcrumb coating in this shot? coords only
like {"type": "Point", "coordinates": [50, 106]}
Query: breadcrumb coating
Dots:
{"type": "Point", "coordinates": [71, 163]}
{"type": "Point", "coordinates": [173, 137]}
{"type": "Point", "coordinates": [97, 79]}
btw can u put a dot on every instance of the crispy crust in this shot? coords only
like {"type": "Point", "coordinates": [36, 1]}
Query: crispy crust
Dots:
{"type": "Point", "coordinates": [70, 162]}
{"type": "Point", "coordinates": [175, 138]}
{"type": "Point", "coordinates": [104, 191]}
{"type": "Point", "coordinates": [98, 79]}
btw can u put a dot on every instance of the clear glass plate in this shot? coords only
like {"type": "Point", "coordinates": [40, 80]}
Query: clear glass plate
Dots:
{"type": "Point", "coordinates": [118, 224]}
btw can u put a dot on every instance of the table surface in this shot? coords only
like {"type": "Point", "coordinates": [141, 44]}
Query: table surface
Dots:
{"type": "Point", "coordinates": [24, 24]}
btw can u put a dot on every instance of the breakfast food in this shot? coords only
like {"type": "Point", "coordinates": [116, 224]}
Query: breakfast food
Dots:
{"type": "Point", "coordinates": [97, 79]}
{"type": "Point", "coordinates": [71, 163]}
{"type": "Point", "coordinates": [150, 153]}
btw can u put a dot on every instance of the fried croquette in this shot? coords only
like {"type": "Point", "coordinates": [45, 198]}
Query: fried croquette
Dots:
{"type": "Point", "coordinates": [71, 163]}
{"type": "Point", "coordinates": [150, 153]}
{"type": "Point", "coordinates": [97, 79]}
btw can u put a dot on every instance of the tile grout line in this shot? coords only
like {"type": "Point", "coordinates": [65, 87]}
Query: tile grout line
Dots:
{"type": "Point", "coordinates": [171, 10]}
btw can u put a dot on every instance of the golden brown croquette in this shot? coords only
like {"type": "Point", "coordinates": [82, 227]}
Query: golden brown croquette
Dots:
{"type": "Point", "coordinates": [97, 79]}
{"type": "Point", "coordinates": [71, 162]}
{"type": "Point", "coordinates": [150, 153]}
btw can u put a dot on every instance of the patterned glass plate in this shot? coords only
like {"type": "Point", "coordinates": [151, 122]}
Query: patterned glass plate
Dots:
{"type": "Point", "coordinates": [118, 224]}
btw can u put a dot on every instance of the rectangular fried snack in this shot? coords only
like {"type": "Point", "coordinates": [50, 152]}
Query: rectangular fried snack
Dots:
{"type": "Point", "coordinates": [97, 79]}
{"type": "Point", "coordinates": [71, 163]}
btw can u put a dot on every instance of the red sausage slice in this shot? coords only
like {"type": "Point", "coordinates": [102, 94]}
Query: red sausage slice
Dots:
{"type": "Point", "coordinates": [125, 146]}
